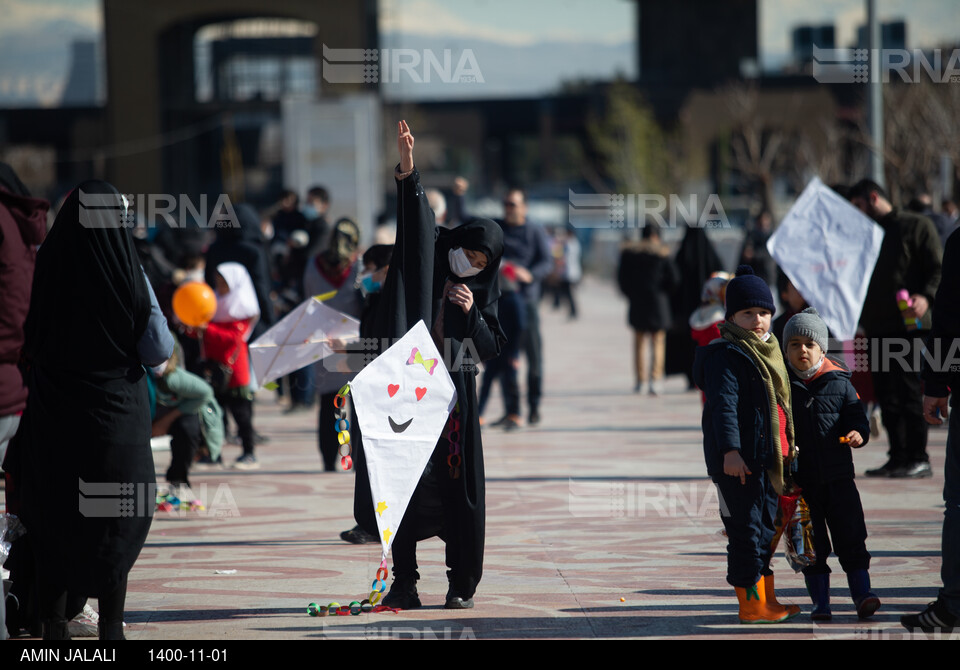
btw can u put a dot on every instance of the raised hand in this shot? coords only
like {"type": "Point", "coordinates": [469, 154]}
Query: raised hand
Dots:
{"type": "Point", "coordinates": [405, 146]}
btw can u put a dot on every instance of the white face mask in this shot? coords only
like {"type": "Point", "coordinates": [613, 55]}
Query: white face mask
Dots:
{"type": "Point", "coordinates": [460, 265]}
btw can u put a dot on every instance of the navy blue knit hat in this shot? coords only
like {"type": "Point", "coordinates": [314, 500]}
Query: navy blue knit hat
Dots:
{"type": "Point", "coordinates": [747, 290]}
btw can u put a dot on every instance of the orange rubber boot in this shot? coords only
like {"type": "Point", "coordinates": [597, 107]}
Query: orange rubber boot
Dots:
{"type": "Point", "coordinates": [754, 607]}
{"type": "Point", "coordinates": [768, 591]}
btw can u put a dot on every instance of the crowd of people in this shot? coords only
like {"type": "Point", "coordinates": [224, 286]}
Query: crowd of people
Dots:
{"type": "Point", "coordinates": [158, 374]}
{"type": "Point", "coordinates": [138, 370]}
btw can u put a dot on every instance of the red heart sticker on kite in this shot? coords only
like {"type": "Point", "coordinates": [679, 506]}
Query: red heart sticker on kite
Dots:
{"type": "Point", "coordinates": [392, 389]}
{"type": "Point", "coordinates": [421, 391]}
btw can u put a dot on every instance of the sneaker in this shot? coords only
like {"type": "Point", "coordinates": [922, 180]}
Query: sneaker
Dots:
{"type": "Point", "coordinates": [918, 470]}
{"type": "Point", "coordinates": [246, 462]}
{"type": "Point", "coordinates": [534, 417]}
{"type": "Point", "coordinates": [85, 623]}
{"type": "Point", "coordinates": [501, 421]}
{"type": "Point", "coordinates": [358, 535]}
{"type": "Point", "coordinates": [935, 619]}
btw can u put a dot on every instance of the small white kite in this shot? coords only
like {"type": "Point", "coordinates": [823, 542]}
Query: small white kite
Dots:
{"type": "Point", "coordinates": [299, 339]}
{"type": "Point", "coordinates": [828, 249]}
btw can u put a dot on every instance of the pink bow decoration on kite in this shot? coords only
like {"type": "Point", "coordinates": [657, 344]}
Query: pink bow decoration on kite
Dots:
{"type": "Point", "coordinates": [416, 359]}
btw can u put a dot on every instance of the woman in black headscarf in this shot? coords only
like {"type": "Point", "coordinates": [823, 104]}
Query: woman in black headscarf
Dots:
{"type": "Point", "coordinates": [696, 260]}
{"type": "Point", "coordinates": [85, 433]}
{"type": "Point", "coordinates": [447, 279]}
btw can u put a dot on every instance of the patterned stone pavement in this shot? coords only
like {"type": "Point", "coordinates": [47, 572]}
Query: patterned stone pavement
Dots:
{"type": "Point", "coordinates": [600, 524]}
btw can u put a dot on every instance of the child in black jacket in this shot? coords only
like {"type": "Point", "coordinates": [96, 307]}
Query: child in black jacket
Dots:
{"type": "Point", "coordinates": [829, 420]}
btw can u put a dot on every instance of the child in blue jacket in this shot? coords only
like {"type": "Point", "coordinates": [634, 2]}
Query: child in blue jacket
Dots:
{"type": "Point", "coordinates": [829, 420]}
{"type": "Point", "coordinates": [747, 436]}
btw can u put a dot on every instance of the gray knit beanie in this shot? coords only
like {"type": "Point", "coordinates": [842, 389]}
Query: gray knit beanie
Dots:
{"type": "Point", "coordinates": [806, 324]}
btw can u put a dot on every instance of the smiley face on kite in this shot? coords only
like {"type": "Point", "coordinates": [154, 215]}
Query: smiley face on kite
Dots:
{"type": "Point", "coordinates": [429, 365]}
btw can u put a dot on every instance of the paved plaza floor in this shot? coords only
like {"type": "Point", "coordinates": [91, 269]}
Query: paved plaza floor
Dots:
{"type": "Point", "coordinates": [600, 524]}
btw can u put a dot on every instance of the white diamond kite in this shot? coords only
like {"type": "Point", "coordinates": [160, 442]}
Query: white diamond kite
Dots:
{"type": "Point", "coordinates": [299, 339]}
{"type": "Point", "coordinates": [828, 249]}
{"type": "Point", "coordinates": [402, 399]}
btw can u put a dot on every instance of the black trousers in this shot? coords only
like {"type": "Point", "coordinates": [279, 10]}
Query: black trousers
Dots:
{"type": "Point", "coordinates": [836, 505]}
{"type": "Point", "coordinates": [748, 512]}
{"type": "Point", "coordinates": [327, 432]}
{"type": "Point", "coordinates": [899, 392]}
{"type": "Point", "coordinates": [427, 516]}
{"type": "Point", "coordinates": [241, 408]}
{"type": "Point", "coordinates": [185, 441]}
{"type": "Point", "coordinates": [533, 346]}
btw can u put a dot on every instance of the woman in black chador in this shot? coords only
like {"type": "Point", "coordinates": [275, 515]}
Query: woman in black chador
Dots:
{"type": "Point", "coordinates": [81, 463]}
{"type": "Point", "coordinates": [448, 279]}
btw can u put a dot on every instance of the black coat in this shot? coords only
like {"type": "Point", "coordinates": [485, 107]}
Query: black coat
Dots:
{"type": "Point", "coordinates": [82, 454]}
{"type": "Point", "coordinates": [413, 291]}
{"type": "Point", "coordinates": [910, 258]}
{"type": "Point", "coordinates": [736, 411]}
{"type": "Point", "coordinates": [823, 411]}
{"type": "Point", "coordinates": [648, 277]}
{"type": "Point", "coordinates": [943, 377]}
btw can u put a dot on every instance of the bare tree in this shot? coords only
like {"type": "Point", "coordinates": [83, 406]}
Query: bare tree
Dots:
{"type": "Point", "coordinates": [922, 125]}
{"type": "Point", "coordinates": [755, 141]}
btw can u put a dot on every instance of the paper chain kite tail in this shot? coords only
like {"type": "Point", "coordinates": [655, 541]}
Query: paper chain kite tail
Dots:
{"type": "Point", "coordinates": [342, 426]}
{"type": "Point", "coordinates": [404, 400]}
{"type": "Point", "coordinates": [369, 604]}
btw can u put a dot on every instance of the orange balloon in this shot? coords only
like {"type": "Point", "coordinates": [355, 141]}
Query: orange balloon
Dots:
{"type": "Point", "coordinates": [194, 303]}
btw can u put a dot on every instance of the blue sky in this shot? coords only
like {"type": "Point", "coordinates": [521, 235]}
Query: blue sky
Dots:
{"type": "Point", "coordinates": [35, 36]}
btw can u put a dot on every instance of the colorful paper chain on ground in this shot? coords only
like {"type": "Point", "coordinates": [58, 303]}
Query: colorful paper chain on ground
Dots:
{"type": "Point", "coordinates": [365, 606]}
{"type": "Point", "coordinates": [342, 426]}
{"type": "Point", "coordinates": [169, 502]}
